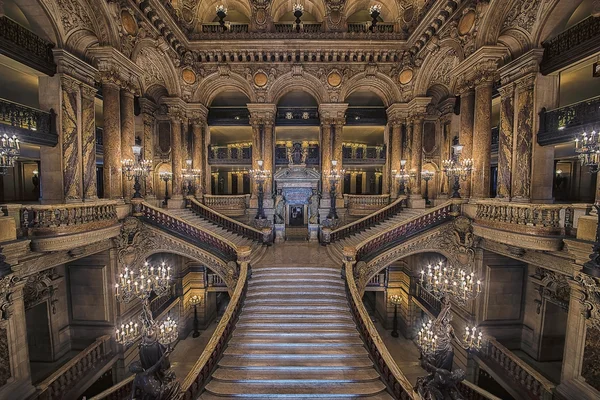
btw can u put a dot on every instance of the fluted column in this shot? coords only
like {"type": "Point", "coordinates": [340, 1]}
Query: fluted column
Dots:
{"type": "Point", "coordinates": [505, 142]}
{"type": "Point", "coordinates": [465, 135]}
{"type": "Point", "coordinates": [71, 141]}
{"type": "Point", "coordinates": [417, 155]}
{"type": "Point", "coordinates": [521, 178]}
{"type": "Point", "coordinates": [111, 140]}
{"type": "Point", "coordinates": [482, 140]}
{"type": "Point", "coordinates": [127, 135]}
{"type": "Point", "coordinates": [88, 142]}
{"type": "Point", "coordinates": [325, 150]}
{"type": "Point", "coordinates": [149, 120]}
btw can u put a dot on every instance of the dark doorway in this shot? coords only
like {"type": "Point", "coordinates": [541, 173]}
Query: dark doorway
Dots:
{"type": "Point", "coordinates": [359, 183]}
{"type": "Point", "coordinates": [234, 184]}
{"type": "Point", "coordinates": [246, 184]}
{"type": "Point", "coordinates": [296, 216]}
{"type": "Point", "coordinates": [38, 330]}
{"type": "Point", "coordinates": [347, 178]}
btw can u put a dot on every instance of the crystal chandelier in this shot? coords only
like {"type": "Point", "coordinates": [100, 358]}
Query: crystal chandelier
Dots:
{"type": "Point", "coordinates": [9, 151]}
{"type": "Point", "coordinates": [444, 280]}
{"type": "Point", "coordinates": [402, 177]}
{"type": "Point", "coordinates": [260, 176]}
{"type": "Point", "coordinates": [167, 331]}
{"type": "Point", "coordinates": [298, 7]}
{"type": "Point", "coordinates": [136, 169]}
{"type": "Point", "coordinates": [457, 168]}
{"type": "Point", "coordinates": [588, 149]}
{"type": "Point", "coordinates": [190, 175]}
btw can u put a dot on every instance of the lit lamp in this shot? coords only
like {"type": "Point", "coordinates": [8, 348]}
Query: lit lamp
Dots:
{"type": "Point", "coordinates": [335, 174]}
{"type": "Point", "coordinates": [375, 12]}
{"type": "Point", "coordinates": [9, 152]}
{"type": "Point", "coordinates": [260, 175]}
{"type": "Point", "coordinates": [221, 14]}
{"type": "Point", "coordinates": [402, 177]}
{"type": "Point", "coordinates": [195, 301]}
{"type": "Point", "coordinates": [395, 300]}
{"type": "Point", "coordinates": [190, 176]}
{"type": "Point", "coordinates": [136, 169]}
{"type": "Point", "coordinates": [35, 180]}
{"type": "Point", "coordinates": [427, 176]}
{"type": "Point", "coordinates": [457, 168]}
{"type": "Point", "coordinates": [166, 176]}
{"type": "Point", "coordinates": [298, 12]}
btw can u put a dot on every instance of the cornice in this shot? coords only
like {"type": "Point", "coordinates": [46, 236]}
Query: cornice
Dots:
{"type": "Point", "coordinates": [196, 111]}
{"type": "Point", "coordinates": [526, 65]}
{"type": "Point", "coordinates": [481, 65]}
{"type": "Point", "coordinates": [74, 67]}
{"type": "Point", "coordinates": [418, 105]}
{"type": "Point", "coordinates": [397, 111]}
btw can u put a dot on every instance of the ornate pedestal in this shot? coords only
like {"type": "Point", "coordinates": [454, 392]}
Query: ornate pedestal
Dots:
{"type": "Point", "coordinates": [279, 233]}
{"type": "Point", "coordinates": [313, 232]}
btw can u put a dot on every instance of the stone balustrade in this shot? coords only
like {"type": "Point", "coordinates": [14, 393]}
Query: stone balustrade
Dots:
{"type": "Point", "coordinates": [229, 205]}
{"type": "Point", "coordinates": [361, 205]}
{"type": "Point", "coordinates": [428, 300]}
{"type": "Point", "coordinates": [51, 220]}
{"type": "Point", "coordinates": [57, 385]}
{"type": "Point", "coordinates": [120, 391]}
{"type": "Point", "coordinates": [215, 280]}
{"type": "Point", "coordinates": [470, 391]}
{"type": "Point", "coordinates": [518, 370]}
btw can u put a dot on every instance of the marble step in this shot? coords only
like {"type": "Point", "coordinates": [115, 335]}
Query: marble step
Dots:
{"type": "Point", "coordinates": [296, 279]}
{"type": "Point", "coordinates": [265, 287]}
{"type": "Point", "coordinates": [271, 390]}
{"type": "Point", "coordinates": [279, 341]}
{"type": "Point", "coordinates": [279, 271]}
{"type": "Point", "coordinates": [310, 364]}
{"type": "Point", "coordinates": [315, 324]}
{"type": "Point", "coordinates": [264, 334]}
{"type": "Point", "coordinates": [293, 376]}
{"type": "Point", "coordinates": [379, 396]}
{"type": "Point", "coordinates": [298, 315]}
{"type": "Point", "coordinates": [296, 352]}
{"type": "Point", "coordinates": [294, 293]}
{"type": "Point", "coordinates": [261, 299]}
{"type": "Point", "coordinates": [274, 308]}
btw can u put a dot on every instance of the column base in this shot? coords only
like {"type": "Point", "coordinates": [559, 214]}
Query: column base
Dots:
{"type": "Point", "coordinates": [176, 202]}
{"type": "Point", "coordinates": [416, 201]}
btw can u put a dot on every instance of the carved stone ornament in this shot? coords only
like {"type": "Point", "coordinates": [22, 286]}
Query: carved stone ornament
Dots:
{"type": "Point", "coordinates": [467, 22]}
{"type": "Point", "coordinates": [132, 242]}
{"type": "Point", "coordinates": [591, 300]}
{"type": "Point", "coordinates": [40, 287]}
{"type": "Point", "coordinates": [522, 14]}
{"type": "Point", "coordinates": [406, 76]}
{"type": "Point", "coordinates": [260, 79]}
{"type": "Point", "coordinates": [5, 372]}
{"type": "Point", "coordinates": [334, 79]}
{"type": "Point", "coordinates": [6, 286]}
{"type": "Point", "coordinates": [129, 23]}
{"type": "Point", "coordinates": [552, 286]}
{"type": "Point", "coordinates": [189, 76]}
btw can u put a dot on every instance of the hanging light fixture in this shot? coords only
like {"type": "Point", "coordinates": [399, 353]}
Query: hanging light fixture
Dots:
{"type": "Point", "coordinates": [588, 149]}
{"type": "Point", "coordinates": [443, 280]}
{"type": "Point", "coordinates": [9, 152]}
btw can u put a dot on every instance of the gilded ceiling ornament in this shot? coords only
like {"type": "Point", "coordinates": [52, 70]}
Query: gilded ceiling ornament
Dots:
{"type": "Point", "coordinates": [189, 76]}
{"type": "Point", "coordinates": [334, 79]}
{"type": "Point", "coordinates": [260, 79]}
{"type": "Point", "coordinates": [129, 23]}
{"type": "Point", "coordinates": [406, 76]}
{"type": "Point", "coordinates": [467, 22]}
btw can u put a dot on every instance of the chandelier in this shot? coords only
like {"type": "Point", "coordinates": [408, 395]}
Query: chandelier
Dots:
{"type": "Point", "coordinates": [190, 175]}
{"type": "Point", "coordinates": [334, 175]}
{"type": "Point", "coordinates": [298, 7]}
{"type": "Point", "coordinates": [457, 168]}
{"type": "Point", "coordinates": [444, 280]}
{"type": "Point", "coordinates": [260, 176]}
{"type": "Point", "coordinates": [136, 169]}
{"type": "Point", "coordinates": [588, 149]}
{"type": "Point", "coordinates": [375, 8]}
{"type": "Point", "coordinates": [9, 151]}
{"type": "Point", "coordinates": [402, 177]}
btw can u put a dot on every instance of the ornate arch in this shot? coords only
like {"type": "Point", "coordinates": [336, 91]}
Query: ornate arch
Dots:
{"type": "Point", "coordinates": [216, 83]}
{"type": "Point", "coordinates": [304, 82]}
{"type": "Point", "coordinates": [42, 20]}
{"type": "Point", "coordinates": [206, 9]}
{"type": "Point", "coordinates": [381, 84]}
{"type": "Point", "coordinates": [436, 67]}
{"type": "Point", "coordinates": [158, 68]}
{"type": "Point", "coordinates": [316, 8]}
{"type": "Point", "coordinates": [390, 10]}
{"type": "Point", "coordinates": [551, 17]}
{"type": "Point", "coordinates": [516, 40]}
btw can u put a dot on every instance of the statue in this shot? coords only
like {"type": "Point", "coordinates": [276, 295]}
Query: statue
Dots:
{"type": "Point", "coordinates": [279, 208]}
{"type": "Point", "coordinates": [153, 378]}
{"type": "Point", "coordinates": [313, 207]}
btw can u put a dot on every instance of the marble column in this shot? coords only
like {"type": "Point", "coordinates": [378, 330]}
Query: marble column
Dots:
{"type": "Point", "coordinates": [465, 136]}
{"type": "Point", "coordinates": [395, 154]}
{"type": "Point", "coordinates": [268, 151]}
{"type": "Point", "coordinates": [88, 142]}
{"type": "Point", "coordinates": [111, 140]}
{"type": "Point", "coordinates": [482, 141]}
{"type": "Point", "coordinates": [197, 150]}
{"type": "Point", "coordinates": [505, 142]}
{"type": "Point", "coordinates": [337, 151]}
{"type": "Point", "coordinates": [206, 171]}
{"type": "Point", "coordinates": [177, 153]}
{"type": "Point", "coordinates": [149, 120]}
{"type": "Point", "coordinates": [257, 133]}
{"type": "Point", "coordinates": [417, 155]}
{"type": "Point", "coordinates": [387, 177]}
{"type": "Point", "coordinates": [325, 149]}
{"type": "Point", "coordinates": [127, 135]}
{"type": "Point", "coordinates": [70, 139]}
{"type": "Point", "coordinates": [521, 173]}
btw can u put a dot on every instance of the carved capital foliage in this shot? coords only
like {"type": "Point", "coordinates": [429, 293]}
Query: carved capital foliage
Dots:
{"type": "Point", "coordinates": [7, 285]}
{"type": "Point", "coordinates": [522, 14]}
{"type": "Point", "coordinates": [553, 287]}
{"type": "Point", "coordinates": [40, 287]}
{"type": "Point", "coordinates": [591, 299]}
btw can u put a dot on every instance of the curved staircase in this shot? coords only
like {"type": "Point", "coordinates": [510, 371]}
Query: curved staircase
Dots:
{"type": "Point", "coordinates": [295, 337]}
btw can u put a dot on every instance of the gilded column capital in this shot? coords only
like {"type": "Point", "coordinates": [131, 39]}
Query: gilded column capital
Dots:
{"type": "Point", "coordinates": [526, 83]}
{"type": "Point", "coordinates": [507, 90]}
{"type": "Point", "coordinates": [334, 111]}
{"type": "Point", "coordinates": [262, 113]}
{"type": "Point", "coordinates": [70, 84]}
{"type": "Point", "coordinates": [480, 68]}
{"type": "Point", "coordinates": [197, 113]}
{"type": "Point", "coordinates": [176, 108]}
{"type": "Point", "coordinates": [397, 112]}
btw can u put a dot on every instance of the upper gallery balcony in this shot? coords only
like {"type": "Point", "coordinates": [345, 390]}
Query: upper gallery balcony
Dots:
{"type": "Point", "coordinates": [564, 124]}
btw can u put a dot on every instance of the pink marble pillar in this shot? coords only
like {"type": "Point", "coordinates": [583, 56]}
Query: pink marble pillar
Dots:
{"type": "Point", "coordinates": [325, 150]}
{"type": "Point", "coordinates": [88, 142]}
{"type": "Point", "coordinates": [177, 153]}
{"type": "Point", "coordinates": [111, 139]}
{"type": "Point", "coordinates": [70, 140]}
{"type": "Point", "coordinates": [465, 136]}
{"type": "Point", "coordinates": [505, 142]}
{"type": "Point", "coordinates": [521, 181]}
{"type": "Point", "coordinates": [417, 155]}
{"type": "Point", "coordinates": [127, 135]}
{"type": "Point", "coordinates": [395, 154]}
{"type": "Point", "coordinates": [482, 141]}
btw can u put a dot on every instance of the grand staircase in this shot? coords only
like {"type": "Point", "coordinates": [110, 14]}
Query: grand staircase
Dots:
{"type": "Point", "coordinates": [295, 337]}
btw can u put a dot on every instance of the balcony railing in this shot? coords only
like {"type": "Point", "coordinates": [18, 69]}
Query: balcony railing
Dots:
{"type": "Point", "coordinates": [361, 205]}
{"type": "Point", "coordinates": [29, 124]}
{"type": "Point", "coordinates": [67, 377]}
{"type": "Point", "coordinates": [229, 155]}
{"type": "Point", "coordinates": [312, 157]}
{"type": "Point", "coordinates": [574, 44]}
{"type": "Point", "coordinates": [231, 27]}
{"type": "Point", "coordinates": [363, 27]}
{"type": "Point", "coordinates": [432, 303]}
{"type": "Point", "coordinates": [363, 154]}
{"type": "Point", "coordinates": [307, 27]}
{"type": "Point", "coordinates": [215, 280]}
{"type": "Point", "coordinates": [229, 205]}
{"type": "Point", "coordinates": [564, 124]}
{"type": "Point", "coordinates": [26, 47]}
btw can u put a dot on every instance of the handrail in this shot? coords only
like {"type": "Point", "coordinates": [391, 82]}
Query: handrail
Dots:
{"type": "Point", "coordinates": [544, 218]}
{"type": "Point", "coordinates": [370, 247]}
{"type": "Point", "coordinates": [119, 391]}
{"type": "Point", "coordinates": [191, 233]}
{"type": "Point", "coordinates": [368, 221]}
{"type": "Point", "coordinates": [518, 369]}
{"type": "Point", "coordinates": [225, 222]}
{"type": "Point", "coordinates": [391, 374]}
{"type": "Point", "coordinates": [197, 377]}
{"type": "Point", "coordinates": [473, 392]}
{"type": "Point", "coordinates": [228, 205]}
{"type": "Point", "coordinates": [65, 378]}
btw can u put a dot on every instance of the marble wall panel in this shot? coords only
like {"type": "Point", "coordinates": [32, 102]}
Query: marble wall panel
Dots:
{"type": "Point", "coordinates": [88, 141]}
{"type": "Point", "coordinates": [505, 145]}
{"type": "Point", "coordinates": [70, 142]}
{"type": "Point", "coordinates": [521, 184]}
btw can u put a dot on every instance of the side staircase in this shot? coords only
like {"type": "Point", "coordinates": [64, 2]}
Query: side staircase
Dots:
{"type": "Point", "coordinates": [296, 338]}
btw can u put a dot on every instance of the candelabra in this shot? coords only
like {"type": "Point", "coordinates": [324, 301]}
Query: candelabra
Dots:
{"type": "Point", "coordinates": [260, 175]}
{"type": "Point", "coordinates": [427, 176]}
{"type": "Point", "coordinates": [167, 331]}
{"type": "Point", "coordinates": [221, 14]}
{"type": "Point", "coordinates": [195, 301]}
{"type": "Point", "coordinates": [442, 280]}
{"type": "Point", "coordinates": [190, 176]}
{"type": "Point", "coordinates": [375, 12]}
{"type": "Point", "coordinates": [402, 177]}
{"type": "Point", "coordinates": [334, 175]}
{"type": "Point", "coordinates": [298, 12]}
{"type": "Point", "coordinates": [166, 176]}
{"type": "Point", "coordinates": [395, 300]}
{"type": "Point", "coordinates": [457, 169]}
{"type": "Point", "coordinates": [136, 169]}
{"type": "Point", "coordinates": [9, 152]}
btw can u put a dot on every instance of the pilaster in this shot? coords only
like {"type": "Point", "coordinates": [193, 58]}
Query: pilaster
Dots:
{"type": "Point", "coordinates": [197, 115]}
{"type": "Point", "coordinates": [396, 114]}
{"type": "Point", "coordinates": [262, 119]}
{"type": "Point", "coordinates": [176, 111]}
{"type": "Point", "coordinates": [149, 121]}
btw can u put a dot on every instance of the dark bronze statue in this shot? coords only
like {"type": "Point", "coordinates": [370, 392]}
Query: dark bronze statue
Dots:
{"type": "Point", "coordinates": [153, 378]}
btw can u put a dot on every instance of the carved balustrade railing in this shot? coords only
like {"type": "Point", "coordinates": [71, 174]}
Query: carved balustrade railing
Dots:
{"type": "Point", "coordinates": [201, 371]}
{"type": "Point", "coordinates": [306, 27]}
{"type": "Point", "coordinates": [538, 219]}
{"type": "Point", "coordinates": [379, 280]}
{"type": "Point", "coordinates": [363, 27]}
{"type": "Point", "coordinates": [373, 246]}
{"type": "Point", "coordinates": [470, 391]}
{"type": "Point", "coordinates": [365, 204]}
{"type": "Point", "coordinates": [220, 247]}
{"type": "Point", "coordinates": [50, 220]}
{"type": "Point", "coordinates": [228, 223]}
{"type": "Point", "coordinates": [229, 205]}
{"type": "Point", "coordinates": [572, 45]}
{"type": "Point", "coordinates": [363, 154]}
{"type": "Point", "coordinates": [19, 43]}
{"type": "Point", "coordinates": [517, 370]}
{"type": "Point", "coordinates": [368, 221]}
{"type": "Point", "coordinates": [392, 376]}
{"type": "Point", "coordinates": [564, 124]}
{"type": "Point", "coordinates": [230, 27]}
{"type": "Point", "coordinates": [230, 154]}
{"type": "Point", "coordinates": [68, 376]}
{"type": "Point", "coordinates": [120, 391]}
{"type": "Point", "coordinates": [215, 280]}
{"type": "Point", "coordinates": [30, 124]}
{"type": "Point", "coordinates": [432, 303]}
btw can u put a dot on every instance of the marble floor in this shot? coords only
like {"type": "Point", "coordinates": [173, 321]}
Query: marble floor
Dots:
{"type": "Point", "coordinates": [188, 351]}
{"type": "Point", "coordinates": [404, 352]}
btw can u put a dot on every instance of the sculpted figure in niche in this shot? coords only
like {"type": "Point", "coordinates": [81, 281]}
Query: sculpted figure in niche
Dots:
{"type": "Point", "coordinates": [279, 208]}
{"type": "Point", "coordinates": [313, 207]}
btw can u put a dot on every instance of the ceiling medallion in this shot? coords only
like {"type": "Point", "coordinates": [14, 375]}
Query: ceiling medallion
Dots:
{"type": "Point", "coordinates": [260, 79]}
{"type": "Point", "coordinates": [128, 22]}
{"type": "Point", "coordinates": [467, 22]}
{"type": "Point", "coordinates": [188, 76]}
{"type": "Point", "coordinates": [334, 79]}
{"type": "Point", "coordinates": [409, 14]}
{"type": "Point", "coordinates": [406, 76]}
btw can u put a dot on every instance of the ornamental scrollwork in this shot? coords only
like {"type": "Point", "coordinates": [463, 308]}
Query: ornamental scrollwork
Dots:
{"type": "Point", "coordinates": [591, 300]}
{"type": "Point", "coordinates": [132, 241]}
{"type": "Point", "coordinates": [552, 286]}
{"type": "Point", "coordinates": [40, 287]}
{"type": "Point", "coordinates": [7, 284]}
